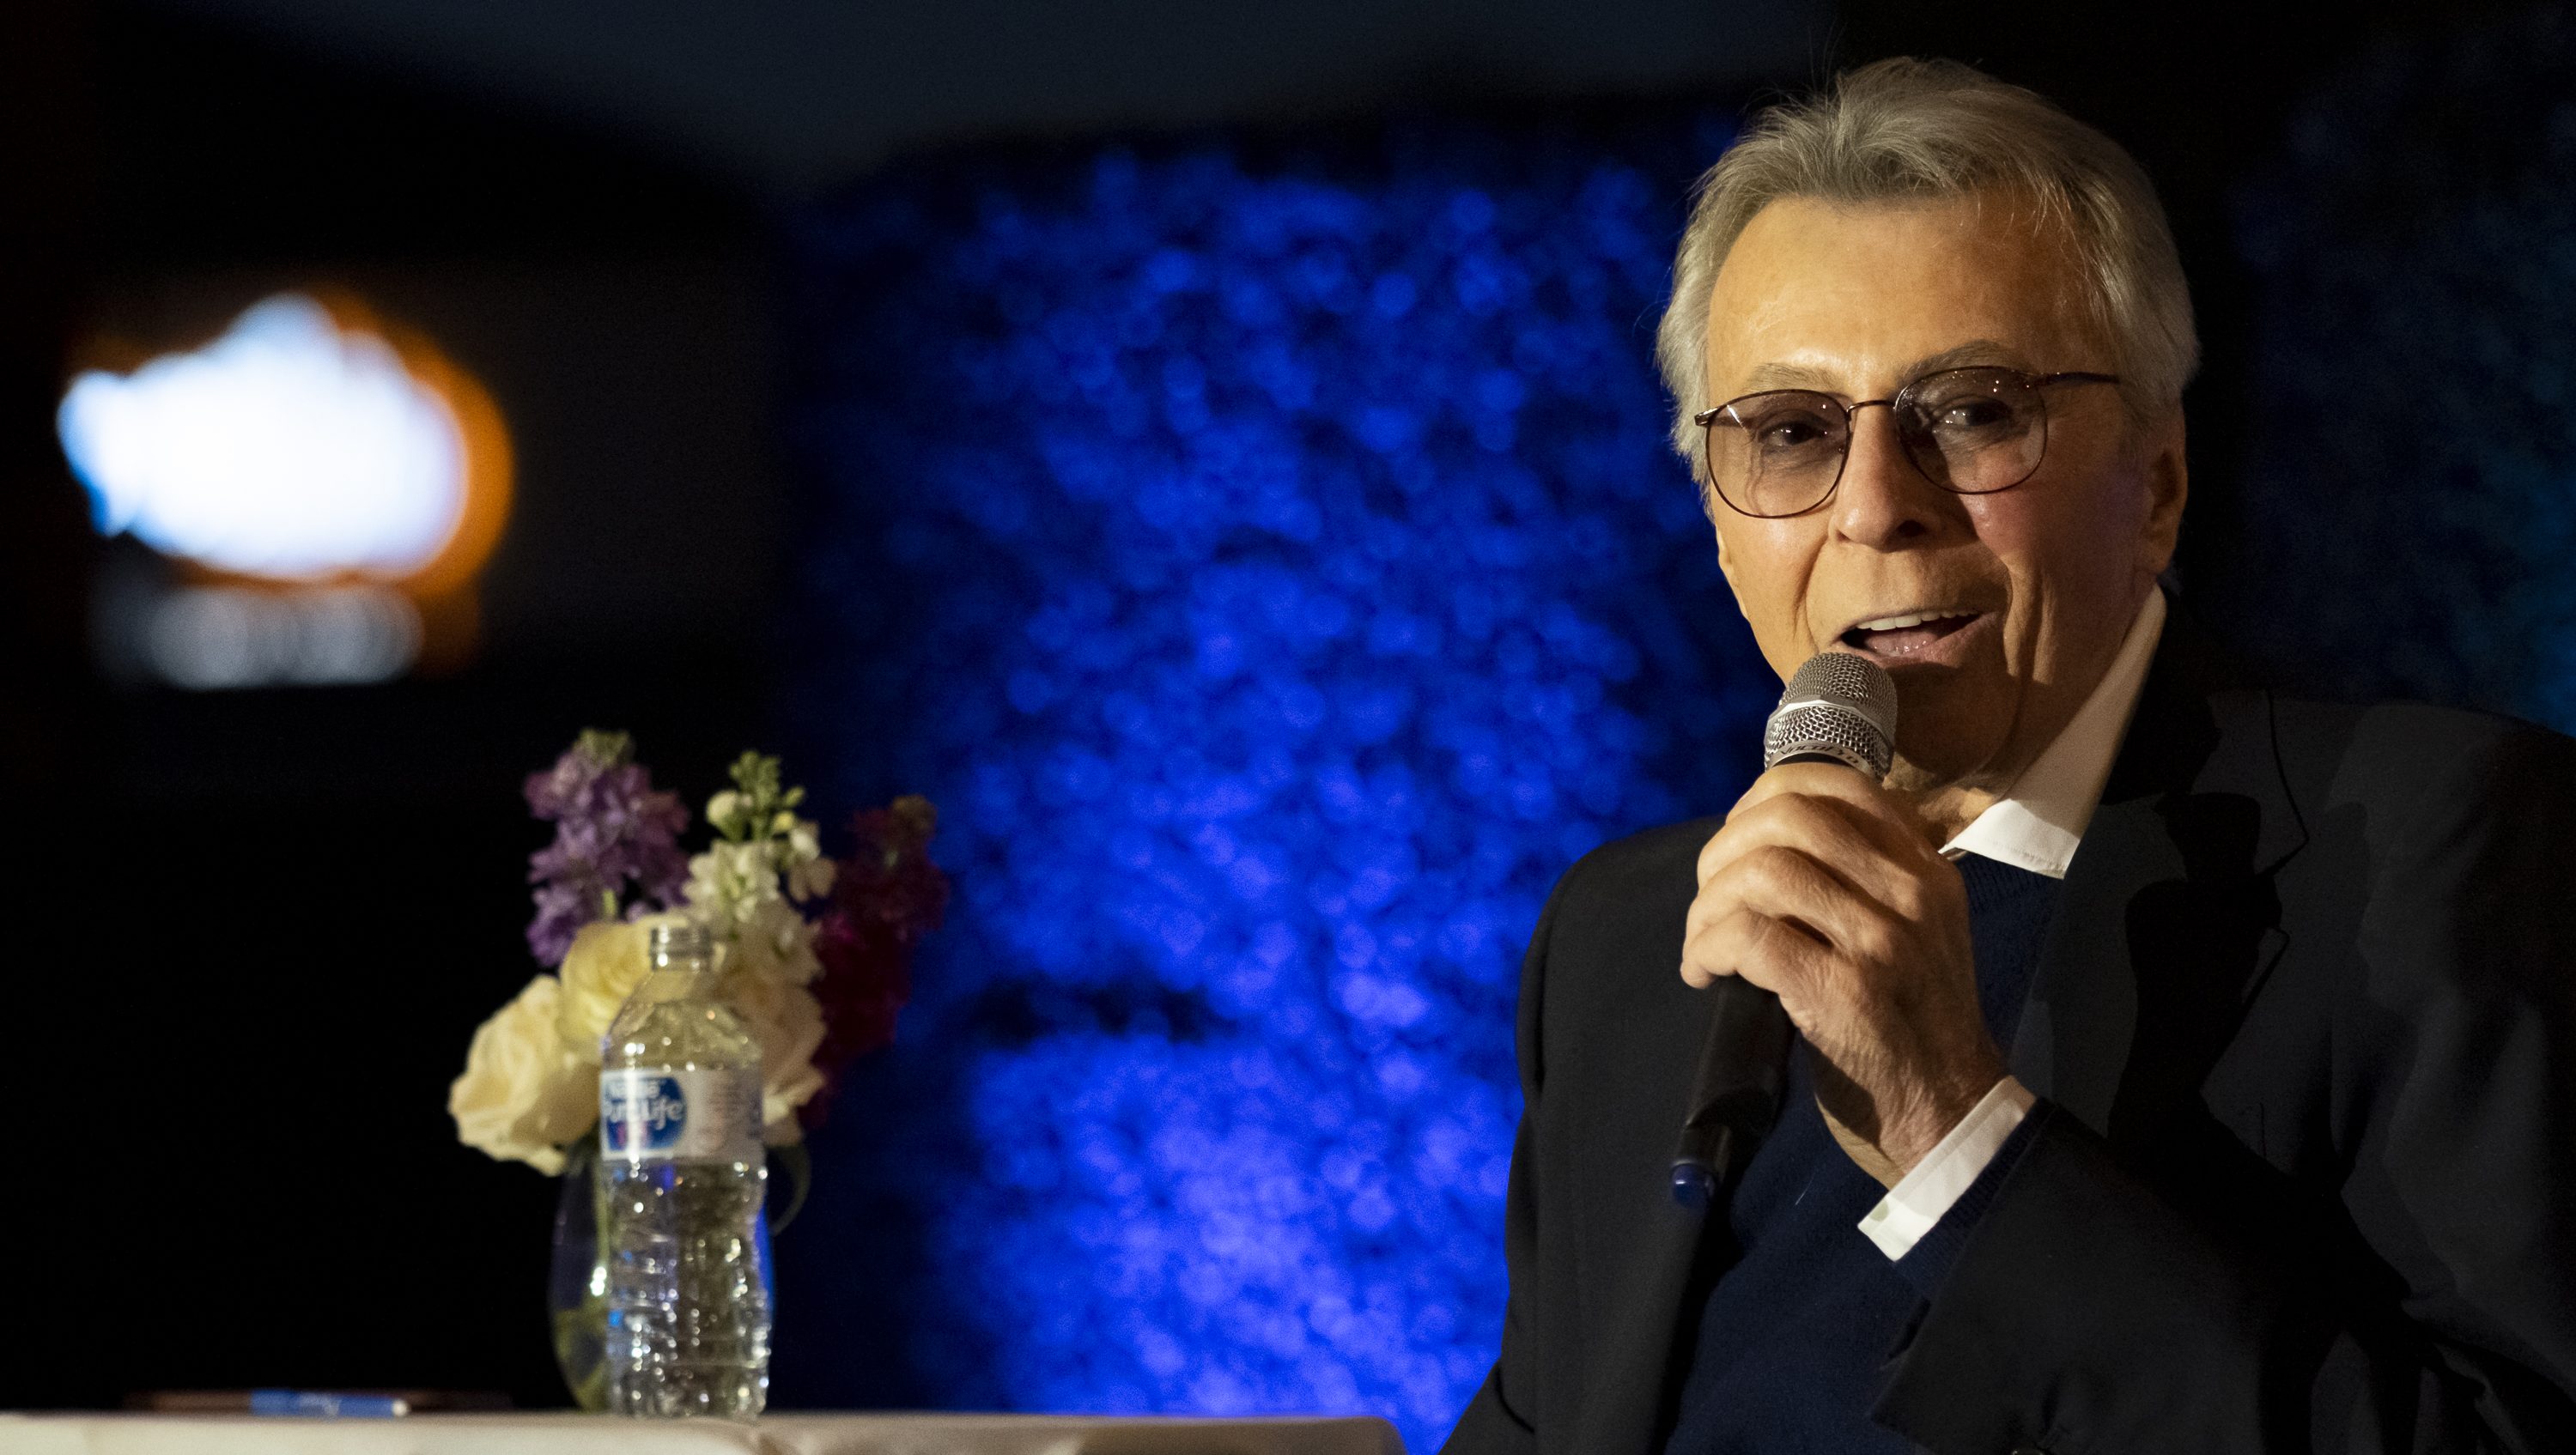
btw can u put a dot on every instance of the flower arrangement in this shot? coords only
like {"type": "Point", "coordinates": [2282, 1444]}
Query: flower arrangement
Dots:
{"type": "Point", "coordinates": [814, 955]}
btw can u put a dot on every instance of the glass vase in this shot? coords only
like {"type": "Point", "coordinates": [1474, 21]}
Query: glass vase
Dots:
{"type": "Point", "coordinates": [577, 1280]}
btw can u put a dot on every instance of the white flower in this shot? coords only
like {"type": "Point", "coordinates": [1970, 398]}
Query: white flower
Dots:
{"type": "Point", "coordinates": [603, 967]}
{"type": "Point", "coordinates": [745, 889]}
{"type": "Point", "coordinates": [776, 944]}
{"type": "Point", "coordinates": [524, 1094]}
{"type": "Point", "coordinates": [788, 1023]}
{"type": "Point", "coordinates": [729, 882]}
{"type": "Point", "coordinates": [810, 879]}
{"type": "Point", "coordinates": [724, 809]}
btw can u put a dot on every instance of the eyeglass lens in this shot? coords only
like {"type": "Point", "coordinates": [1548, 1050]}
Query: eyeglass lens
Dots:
{"type": "Point", "coordinates": [1968, 430]}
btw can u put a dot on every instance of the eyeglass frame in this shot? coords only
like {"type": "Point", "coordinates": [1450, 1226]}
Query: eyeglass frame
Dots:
{"type": "Point", "coordinates": [1706, 419]}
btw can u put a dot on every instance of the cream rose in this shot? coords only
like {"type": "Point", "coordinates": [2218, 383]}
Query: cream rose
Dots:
{"type": "Point", "coordinates": [523, 1094]}
{"type": "Point", "coordinates": [775, 943]}
{"type": "Point", "coordinates": [603, 967]}
{"type": "Point", "coordinates": [787, 1021]}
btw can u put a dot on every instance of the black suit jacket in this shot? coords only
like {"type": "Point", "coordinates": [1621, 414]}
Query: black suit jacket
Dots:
{"type": "Point", "coordinates": [2303, 1174]}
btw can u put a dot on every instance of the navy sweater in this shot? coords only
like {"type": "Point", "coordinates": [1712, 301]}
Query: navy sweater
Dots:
{"type": "Point", "coordinates": [1792, 1337]}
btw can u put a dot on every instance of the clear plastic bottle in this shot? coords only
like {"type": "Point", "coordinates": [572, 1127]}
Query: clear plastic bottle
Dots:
{"type": "Point", "coordinates": [682, 1177]}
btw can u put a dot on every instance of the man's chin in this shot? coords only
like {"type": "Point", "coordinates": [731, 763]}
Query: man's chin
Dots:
{"type": "Point", "coordinates": [1948, 728]}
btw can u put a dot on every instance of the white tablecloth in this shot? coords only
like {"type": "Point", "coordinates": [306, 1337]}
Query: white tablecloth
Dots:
{"type": "Point", "coordinates": [783, 1434]}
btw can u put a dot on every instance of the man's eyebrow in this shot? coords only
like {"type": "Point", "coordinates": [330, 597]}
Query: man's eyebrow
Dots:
{"type": "Point", "coordinates": [1807, 376]}
{"type": "Point", "coordinates": [1784, 376]}
{"type": "Point", "coordinates": [1974, 351]}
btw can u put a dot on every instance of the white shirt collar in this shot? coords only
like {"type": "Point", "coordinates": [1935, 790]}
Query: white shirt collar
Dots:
{"type": "Point", "coordinates": [2039, 822]}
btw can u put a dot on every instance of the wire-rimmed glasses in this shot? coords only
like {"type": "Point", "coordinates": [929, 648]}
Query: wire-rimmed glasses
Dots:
{"type": "Point", "coordinates": [1971, 431]}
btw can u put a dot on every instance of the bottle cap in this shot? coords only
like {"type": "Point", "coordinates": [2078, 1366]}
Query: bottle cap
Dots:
{"type": "Point", "coordinates": [677, 939]}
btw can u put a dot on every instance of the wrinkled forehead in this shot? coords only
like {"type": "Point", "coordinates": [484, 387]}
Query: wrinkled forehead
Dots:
{"type": "Point", "coordinates": [1857, 298]}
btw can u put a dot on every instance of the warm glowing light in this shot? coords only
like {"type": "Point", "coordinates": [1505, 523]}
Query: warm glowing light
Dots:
{"type": "Point", "coordinates": [340, 481]}
{"type": "Point", "coordinates": [286, 448]}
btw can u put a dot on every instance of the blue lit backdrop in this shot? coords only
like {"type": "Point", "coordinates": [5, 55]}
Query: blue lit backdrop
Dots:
{"type": "Point", "coordinates": [2412, 500]}
{"type": "Point", "coordinates": [1269, 558]}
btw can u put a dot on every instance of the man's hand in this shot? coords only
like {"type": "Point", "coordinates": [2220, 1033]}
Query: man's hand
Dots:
{"type": "Point", "coordinates": [1827, 891]}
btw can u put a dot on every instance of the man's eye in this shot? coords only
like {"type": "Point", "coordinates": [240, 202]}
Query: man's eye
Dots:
{"type": "Point", "coordinates": [1789, 434]}
{"type": "Point", "coordinates": [1972, 414]}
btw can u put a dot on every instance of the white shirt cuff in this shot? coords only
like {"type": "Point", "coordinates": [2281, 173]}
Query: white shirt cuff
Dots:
{"type": "Point", "coordinates": [1919, 1199]}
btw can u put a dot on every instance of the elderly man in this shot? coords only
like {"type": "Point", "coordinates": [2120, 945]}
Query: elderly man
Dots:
{"type": "Point", "coordinates": [2180, 1067]}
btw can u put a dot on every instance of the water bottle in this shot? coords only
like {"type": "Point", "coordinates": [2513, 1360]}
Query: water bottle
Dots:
{"type": "Point", "coordinates": [683, 1176]}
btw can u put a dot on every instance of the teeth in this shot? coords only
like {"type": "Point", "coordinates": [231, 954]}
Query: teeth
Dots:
{"type": "Point", "coordinates": [1898, 623]}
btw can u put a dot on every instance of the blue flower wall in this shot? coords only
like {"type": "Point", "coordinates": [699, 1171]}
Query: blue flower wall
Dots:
{"type": "Point", "coordinates": [1268, 557]}
{"type": "Point", "coordinates": [2412, 497]}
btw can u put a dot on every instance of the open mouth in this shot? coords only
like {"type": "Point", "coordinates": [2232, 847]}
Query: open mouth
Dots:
{"type": "Point", "coordinates": [1905, 634]}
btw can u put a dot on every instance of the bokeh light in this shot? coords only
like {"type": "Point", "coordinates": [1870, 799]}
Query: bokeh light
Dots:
{"type": "Point", "coordinates": [209, 637]}
{"type": "Point", "coordinates": [341, 481]}
{"type": "Point", "coordinates": [286, 448]}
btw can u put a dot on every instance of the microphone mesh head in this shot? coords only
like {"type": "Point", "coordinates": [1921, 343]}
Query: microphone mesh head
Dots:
{"type": "Point", "coordinates": [1839, 706]}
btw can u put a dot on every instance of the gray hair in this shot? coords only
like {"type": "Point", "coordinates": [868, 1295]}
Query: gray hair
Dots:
{"type": "Point", "coordinates": [1904, 130]}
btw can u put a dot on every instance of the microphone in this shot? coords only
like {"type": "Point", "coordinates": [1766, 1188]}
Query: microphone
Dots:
{"type": "Point", "coordinates": [1838, 708]}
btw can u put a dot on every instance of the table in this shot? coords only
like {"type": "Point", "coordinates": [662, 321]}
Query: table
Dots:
{"type": "Point", "coordinates": [780, 1434]}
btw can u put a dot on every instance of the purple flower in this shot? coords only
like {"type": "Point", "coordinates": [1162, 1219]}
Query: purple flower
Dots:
{"type": "Point", "coordinates": [612, 830]}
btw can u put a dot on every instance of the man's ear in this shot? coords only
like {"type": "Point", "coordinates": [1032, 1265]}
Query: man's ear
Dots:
{"type": "Point", "coordinates": [1726, 566]}
{"type": "Point", "coordinates": [2167, 477]}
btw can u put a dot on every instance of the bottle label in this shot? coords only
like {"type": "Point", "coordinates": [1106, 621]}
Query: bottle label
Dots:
{"type": "Point", "coordinates": [676, 1114]}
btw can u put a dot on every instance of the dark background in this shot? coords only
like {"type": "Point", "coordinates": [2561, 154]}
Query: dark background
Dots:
{"type": "Point", "coordinates": [252, 924]}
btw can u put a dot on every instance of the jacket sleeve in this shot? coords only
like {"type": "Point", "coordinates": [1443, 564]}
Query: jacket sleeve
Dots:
{"type": "Point", "coordinates": [1502, 1419]}
{"type": "Point", "coordinates": [2425, 1296]}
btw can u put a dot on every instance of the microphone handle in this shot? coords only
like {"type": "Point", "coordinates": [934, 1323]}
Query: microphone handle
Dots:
{"type": "Point", "coordinates": [1735, 1096]}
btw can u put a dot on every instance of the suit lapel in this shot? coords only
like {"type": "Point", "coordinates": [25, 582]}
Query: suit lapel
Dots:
{"type": "Point", "coordinates": [2073, 1039]}
{"type": "Point", "coordinates": [2168, 921]}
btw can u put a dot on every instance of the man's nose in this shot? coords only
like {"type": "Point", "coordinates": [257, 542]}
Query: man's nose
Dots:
{"type": "Point", "coordinates": [1884, 500]}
